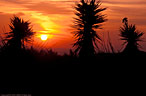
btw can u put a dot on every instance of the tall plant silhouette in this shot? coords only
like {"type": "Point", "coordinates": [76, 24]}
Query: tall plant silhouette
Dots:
{"type": "Point", "coordinates": [131, 36]}
{"type": "Point", "coordinates": [89, 18]}
{"type": "Point", "coordinates": [20, 32]}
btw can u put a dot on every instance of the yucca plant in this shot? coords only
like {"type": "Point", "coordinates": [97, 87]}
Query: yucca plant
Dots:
{"type": "Point", "coordinates": [89, 18]}
{"type": "Point", "coordinates": [131, 36]}
{"type": "Point", "coordinates": [20, 32]}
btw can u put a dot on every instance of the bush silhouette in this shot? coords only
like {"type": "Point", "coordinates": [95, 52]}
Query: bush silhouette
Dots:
{"type": "Point", "coordinates": [88, 19]}
{"type": "Point", "coordinates": [20, 32]}
{"type": "Point", "coordinates": [131, 36]}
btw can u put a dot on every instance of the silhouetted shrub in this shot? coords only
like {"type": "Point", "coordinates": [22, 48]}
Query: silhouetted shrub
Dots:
{"type": "Point", "coordinates": [89, 18]}
{"type": "Point", "coordinates": [131, 36]}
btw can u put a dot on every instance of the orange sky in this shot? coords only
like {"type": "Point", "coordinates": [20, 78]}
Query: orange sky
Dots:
{"type": "Point", "coordinates": [54, 18]}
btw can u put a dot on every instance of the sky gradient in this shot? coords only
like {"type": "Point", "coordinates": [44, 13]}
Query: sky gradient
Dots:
{"type": "Point", "coordinates": [55, 18]}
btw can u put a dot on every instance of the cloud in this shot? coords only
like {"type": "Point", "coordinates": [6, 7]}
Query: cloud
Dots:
{"type": "Point", "coordinates": [124, 2]}
{"type": "Point", "coordinates": [48, 8]}
{"type": "Point", "coordinates": [16, 1]}
{"type": "Point", "coordinates": [45, 7]}
{"type": "Point", "coordinates": [128, 10]}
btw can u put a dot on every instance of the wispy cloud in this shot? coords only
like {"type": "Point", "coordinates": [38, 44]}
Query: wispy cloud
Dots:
{"type": "Point", "coordinates": [48, 8]}
{"type": "Point", "coordinates": [45, 7]}
{"type": "Point", "coordinates": [124, 1]}
{"type": "Point", "coordinates": [16, 1]}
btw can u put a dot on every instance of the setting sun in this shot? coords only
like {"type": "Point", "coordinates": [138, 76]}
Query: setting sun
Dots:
{"type": "Point", "coordinates": [44, 37]}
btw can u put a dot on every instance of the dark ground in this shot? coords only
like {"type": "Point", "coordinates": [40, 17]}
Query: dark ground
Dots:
{"type": "Point", "coordinates": [47, 74]}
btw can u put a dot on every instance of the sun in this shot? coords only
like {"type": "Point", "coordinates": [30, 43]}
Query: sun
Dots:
{"type": "Point", "coordinates": [44, 37]}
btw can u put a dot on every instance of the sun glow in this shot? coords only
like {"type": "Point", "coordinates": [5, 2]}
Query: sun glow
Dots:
{"type": "Point", "coordinates": [44, 37]}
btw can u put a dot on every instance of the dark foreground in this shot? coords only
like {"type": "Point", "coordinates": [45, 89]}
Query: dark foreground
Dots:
{"type": "Point", "coordinates": [46, 74]}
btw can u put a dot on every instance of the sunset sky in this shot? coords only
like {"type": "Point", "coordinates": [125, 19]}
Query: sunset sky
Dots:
{"type": "Point", "coordinates": [54, 18]}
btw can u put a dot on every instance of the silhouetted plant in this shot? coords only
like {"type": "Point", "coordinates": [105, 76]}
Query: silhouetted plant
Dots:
{"type": "Point", "coordinates": [131, 36]}
{"type": "Point", "coordinates": [20, 32]}
{"type": "Point", "coordinates": [89, 18]}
